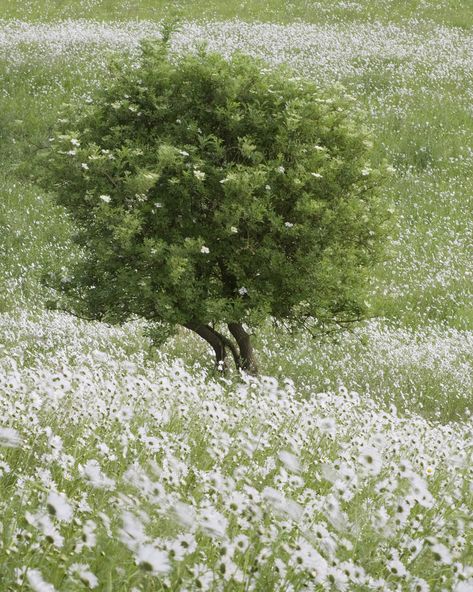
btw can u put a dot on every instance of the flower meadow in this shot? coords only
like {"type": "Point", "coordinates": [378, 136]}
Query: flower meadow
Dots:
{"type": "Point", "coordinates": [347, 465]}
{"type": "Point", "coordinates": [122, 473]}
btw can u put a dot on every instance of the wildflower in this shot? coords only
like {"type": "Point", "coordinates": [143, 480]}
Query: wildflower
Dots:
{"type": "Point", "coordinates": [414, 547]}
{"type": "Point", "coordinates": [324, 539]}
{"type": "Point", "coordinates": [307, 558]}
{"type": "Point", "coordinates": [242, 291]}
{"type": "Point", "coordinates": [75, 142]}
{"type": "Point", "coordinates": [35, 580]}
{"type": "Point", "coordinates": [329, 473]}
{"type": "Point", "coordinates": [283, 505]}
{"type": "Point", "coordinates": [184, 513]}
{"type": "Point", "coordinates": [105, 198]}
{"type": "Point", "coordinates": [59, 507]}
{"type": "Point", "coordinates": [43, 523]}
{"type": "Point", "coordinates": [152, 560]}
{"type": "Point", "coordinates": [288, 224]}
{"type": "Point", "coordinates": [233, 229]}
{"type": "Point", "coordinates": [337, 518]}
{"type": "Point", "coordinates": [204, 250]}
{"type": "Point", "coordinates": [229, 570]}
{"type": "Point", "coordinates": [84, 574]}
{"type": "Point", "coordinates": [236, 502]}
{"type": "Point", "coordinates": [370, 460]}
{"type": "Point", "coordinates": [336, 578]}
{"type": "Point", "coordinates": [290, 461]}
{"type": "Point", "coordinates": [89, 537]}
{"type": "Point", "coordinates": [10, 438]}
{"type": "Point", "coordinates": [105, 521]}
{"type": "Point", "coordinates": [327, 426]}
{"type": "Point", "coordinates": [317, 175]}
{"type": "Point", "coordinates": [281, 169]}
{"type": "Point", "coordinates": [132, 534]}
{"type": "Point", "coordinates": [419, 490]}
{"type": "Point", "coordinates": [183, 545]}
{"type": "Point", "coordinates": [420, 585]}
{"type": "Point", "coordinates": [241, 543]}
{"type": "Point", "coordinates": [55, 442]}
{"type": "Point", "coordinates": [464, 586]}
{"type": "Point", "coordinates": [203, 577]}
{"type": "Point", "coordinates": [212, 522]}
{"type": "Point", "coordinates": [396, 568]}
{"type": "Point", "coordinates": [85, 166]}
{"type": "Point", "coordinates": [92, 472]}
{"type": "Point", "coordinates": [4, 468]}
{"type": "Point", "coordinates": [403, 509]}
{"type": "Point", "coordinates": [441, 554]}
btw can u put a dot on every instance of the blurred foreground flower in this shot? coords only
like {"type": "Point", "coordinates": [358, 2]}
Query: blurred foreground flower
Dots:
{"type": "Point", "coordinates": [10, 438]}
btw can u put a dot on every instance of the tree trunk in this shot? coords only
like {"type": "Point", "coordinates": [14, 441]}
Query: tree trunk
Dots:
{"type": "Point", "coordinates": [214, 340]}
{"type": "Point", "coordinates": [231, 346]}
{"type": "Point", "coordinates": [247, 356]}
{"type": "Point", "coordinates": [243, 355]}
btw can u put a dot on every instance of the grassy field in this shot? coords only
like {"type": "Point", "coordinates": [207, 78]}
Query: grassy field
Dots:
{"type": "Point", "coordinates": [347, 465]}
{"type": "Point", "coordinates": [444, 12]}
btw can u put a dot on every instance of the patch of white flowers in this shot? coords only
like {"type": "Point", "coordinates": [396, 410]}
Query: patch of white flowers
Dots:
{"type": "Point", "coordinates": [185, 479]}
{"type": "Point", "coordinates": [343, 49]}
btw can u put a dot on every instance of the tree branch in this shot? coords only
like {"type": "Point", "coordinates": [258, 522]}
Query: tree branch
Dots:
{"type": "Point", "coordinates": [110, 179]}
{"type": "Point", "coordinates": [74, 314]}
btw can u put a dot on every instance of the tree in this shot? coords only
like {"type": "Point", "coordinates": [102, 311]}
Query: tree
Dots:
{"type": "Point", "coordinates": [208, 191]}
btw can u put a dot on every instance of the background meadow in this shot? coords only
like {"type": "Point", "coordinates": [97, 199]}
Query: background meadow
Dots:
{"type": "Point", "coordinates": [347, 465]}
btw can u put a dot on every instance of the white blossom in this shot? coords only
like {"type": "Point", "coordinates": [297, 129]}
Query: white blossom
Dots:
{"type": "Point", "coordinates": [10, 438]}
{"type": "Point", "coordinates": [37, 582]}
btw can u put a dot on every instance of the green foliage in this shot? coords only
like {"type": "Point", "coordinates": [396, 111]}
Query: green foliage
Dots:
{"type": "Point", "coordinates": [210, 190]}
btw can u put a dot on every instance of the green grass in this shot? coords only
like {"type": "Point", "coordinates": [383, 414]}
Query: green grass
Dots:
{"type": "Point", "coordinates": [450, 12]}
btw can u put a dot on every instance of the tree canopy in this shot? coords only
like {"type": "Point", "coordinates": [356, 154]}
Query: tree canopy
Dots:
{"type": "Point", "coordinates": [207, 190]}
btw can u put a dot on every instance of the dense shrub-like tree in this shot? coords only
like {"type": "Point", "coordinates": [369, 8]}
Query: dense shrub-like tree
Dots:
{"type": "Point", "coordinates": [208, 192]}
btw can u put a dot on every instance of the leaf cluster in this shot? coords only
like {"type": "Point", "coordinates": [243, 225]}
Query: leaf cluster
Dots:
{"type": "Point", "coordinates": [208, 190]}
